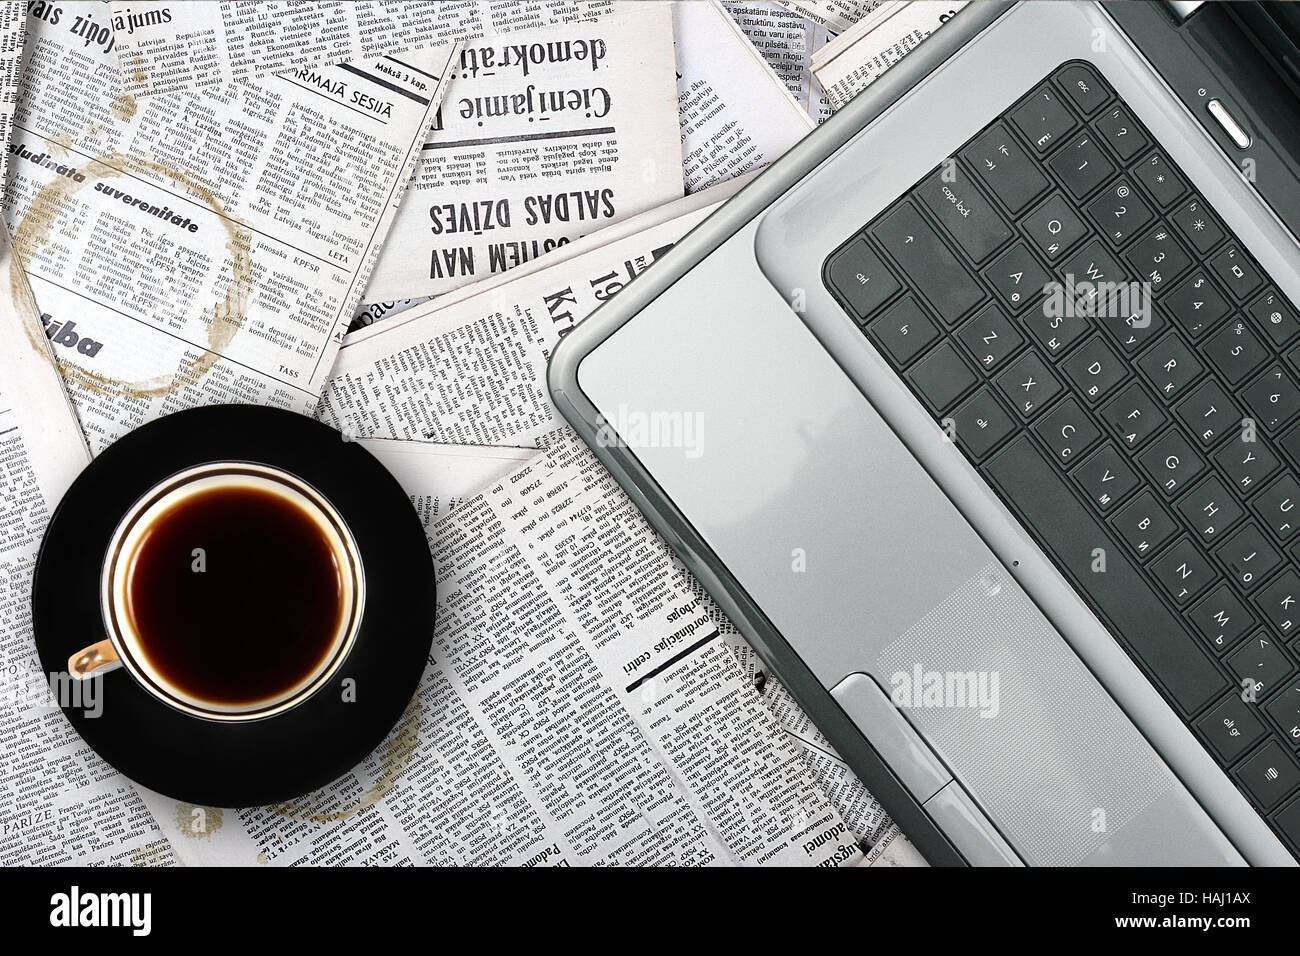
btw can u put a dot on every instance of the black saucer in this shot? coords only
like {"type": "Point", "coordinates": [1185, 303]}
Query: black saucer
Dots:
{"type": "Point", "coordinates": [231, 764]}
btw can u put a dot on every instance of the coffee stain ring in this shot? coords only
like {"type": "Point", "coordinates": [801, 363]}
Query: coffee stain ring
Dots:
{"type": "Point", "coordinates": [228, 312]}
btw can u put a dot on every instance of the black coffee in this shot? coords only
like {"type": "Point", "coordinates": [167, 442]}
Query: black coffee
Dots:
{"type": "Point", "coordinates": [235, 595]}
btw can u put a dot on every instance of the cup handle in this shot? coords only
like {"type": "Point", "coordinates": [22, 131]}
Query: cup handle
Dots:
{"type": "Point", "coordinates": [93, 659]}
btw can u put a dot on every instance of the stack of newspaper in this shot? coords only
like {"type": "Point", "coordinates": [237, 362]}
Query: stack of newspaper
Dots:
{"type": "Point", "coordinates": [385, 215]}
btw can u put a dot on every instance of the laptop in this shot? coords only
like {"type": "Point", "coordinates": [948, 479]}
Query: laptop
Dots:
{"type": "Point", "coordinates": [994, 394]}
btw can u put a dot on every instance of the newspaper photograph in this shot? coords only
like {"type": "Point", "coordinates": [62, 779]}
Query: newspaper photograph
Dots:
{"type": "Point", "coordinates": [173, 270]}
{"type": "Point", "coordinates": [545, 135]}
{"type": "Point", "coordinates": [852, 61]}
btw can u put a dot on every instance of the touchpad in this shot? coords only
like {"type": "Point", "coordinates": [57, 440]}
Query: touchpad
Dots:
{"type": "Point", "coordinates": [1021, 722]}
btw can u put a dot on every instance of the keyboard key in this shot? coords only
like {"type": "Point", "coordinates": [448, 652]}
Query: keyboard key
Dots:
{"type": "Point", "coordinates": [1221, 619]}
{"type": "Point", "coordinates": [1289, 442]}
{"type": "Point", "coordinates": [1017, 276]}
{"type": "Point", "coordinates": [1209, 413]}
{"type": "Point", "coordinates": [1261, 661]}
{"type": "Point", "coordinates": [904, 332]}
{"type": "Point", "coordinates": [1231, 728]}
{"type": "Point", "coordinates": [981, 424]}
{"type": "Point", "coordinates": [1119, 212]}
{"type": "Point", "coordinates": [1082, 166]}
{"type": "Point", "coordinates": [1237, 273]}
{"type": "Point", "coordinates": [1000, 162]}
{"type": "Point", "coordinates": [1246, 464]}
{"type": "Point", "coordinates": [1095, 369]}
{"type": "Point", "coordinates": [1054, 329]}
{"type": "Point", "coordinates": [1278, 600]}
{"type": "Point", "coordinates": [964, 213]}
{"type": "Point", "coordinates": [1121, 133]}
{"type": "Point", "coordinates": [1196, 305]}
{"type": "Point", "coordinates": [1171, 462]}
{"type": "Point", "coordinates": [1067, 431]}
{"type": "Point", "coordinates": [1028, 385]}
{"type": "Point", "coordinates": [1144, 525]}
{"type": "Point", "coordinates": [1210, 509]}
{"type": "Point", "coordinates": [1139, 619]}
{"type": "Point", "coordinates": [1134, 416]}
{"type": "Point", "coordinates": [1249, 556]}
{"type": "Point", "coordinates": [1285, 711]}
{"type": "Point", "coordinates": [1043, 119]}
{"type": "Point", "coordinates": [861, 279]}
{"type": "Point", "coordinates": [1093, 263]}
{"type": "Point", "coordinates": [1054, 226]}
{"type": "Point", "coordinates": [1235, 352]}
{"type": "Point", "coordinates": [1268, 775]}
{"type": "Point", "coordinates": [1276, 506]}
{"type": "Point", "coordinates": [1083, 88]}
{"type": "Point", "coordinates": [990, 337]}
{"type": "Point", "coordinates": [1170, 367]}
{"type": "Point", "coordinates": [1183, 572]}
{"type": "Point", "coordinates": [1195, 224]}
{"type": "Point", "coordinates": [942, 377]}
{"type": "Point", "coordinates": [1106, 477]}
{"type": "Point", "coordinates": [1163, 184]}
{"type": "Point", "coordinates": [935, 272]}
{"type": "Point", "coordinates": [1136, 330]}
{"type": "Point", "coordinates": [1158, 259]}
{"type": "Point", "coordinates": [1273, 314]}
{"type": "Point", "coordinates": [1272, 399]}
{"type": "Point", "coordinates": [1287, 821]}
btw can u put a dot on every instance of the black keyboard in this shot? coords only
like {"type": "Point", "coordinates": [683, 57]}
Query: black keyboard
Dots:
{"type": "Point", "coordinates": [1122, 372]}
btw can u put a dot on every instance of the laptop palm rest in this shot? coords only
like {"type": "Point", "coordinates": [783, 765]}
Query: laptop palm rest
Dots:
{"type": "Point", "coordinates": [866, 568]}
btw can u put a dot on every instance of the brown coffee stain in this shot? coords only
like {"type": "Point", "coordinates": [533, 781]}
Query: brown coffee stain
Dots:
{"type": "Point", "coordinates": [227, 314]}
{"type": "Point", "coordinates": [60, 142]}
{"type": "Point", "coordinates": [212, 817]}
{"type": "Point", "coordinates": [123, 106]}
{"type": "Point", "coordinates": [397, 757]}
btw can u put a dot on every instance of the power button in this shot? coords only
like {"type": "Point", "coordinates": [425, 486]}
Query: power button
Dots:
{"type": "Point", "coordinates": [1240, 138]}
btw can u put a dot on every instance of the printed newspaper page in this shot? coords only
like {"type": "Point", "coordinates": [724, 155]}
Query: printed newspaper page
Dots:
{"type": "Point", "coordinates": [471, 369]}
{"type": "Point", "coordinates": [836, 15]}
{"type": "Point", "coordinates": [210, 247]}
{"type": "Point", "coordinates": [736, 114]}
{"type": "Point", "coordinates": [391, 381]}
{"type": "Point", "coordinates": [545, 135]}
{"type": "Point", "coordinates": [13, 28]}
{"type": "Point", "coordinates": [787, 41]}
{"type": "Point", "coordinates": [851, 62]}
{"type": "Point", "coordinates": [548, 730]}
{"type": "Point", "coordinates": [59, 802]}
{"type": "Point", "coordinates": [170, 45]}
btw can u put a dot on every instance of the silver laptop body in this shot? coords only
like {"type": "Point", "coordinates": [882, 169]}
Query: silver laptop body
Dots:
{"type": "Point", "coordinates": [851, 542]}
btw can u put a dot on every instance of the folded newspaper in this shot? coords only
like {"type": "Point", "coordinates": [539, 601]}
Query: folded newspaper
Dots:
{"type": "Point", "coordinates": [201, 222]}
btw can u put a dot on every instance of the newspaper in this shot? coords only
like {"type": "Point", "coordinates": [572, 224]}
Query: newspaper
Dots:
{"type": "Point", "coordinates": [209, 247]}
{"type": "Point", "coordinates": [471, 369]}
{"type": "Point", "coordinates": [170, 45]}
{"type": "Point", "coordinates": [546, 134]}
{"type": "Point", "coordinates": [787, 41]}
{"type": "Point", "coordinates": [836, 15]}
{"type": "Point", "coordinates": [393, 381]}
{"type": "Point", "coordinates": [550, 730]}
{"type": "Point", "coordinates": [734, 116]}
{"type": "Point", "coordinates": [59, 802]}
{"type": "Point", "coordinates": [13, 27]}
{"type": "Point", "coordinates": [852, 61]}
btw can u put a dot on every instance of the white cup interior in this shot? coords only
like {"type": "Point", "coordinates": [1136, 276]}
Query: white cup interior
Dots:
{"type": "Point", "coordinates": [151, 507]}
